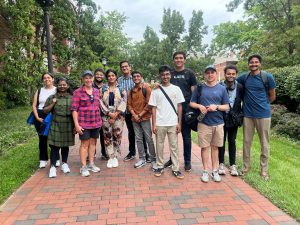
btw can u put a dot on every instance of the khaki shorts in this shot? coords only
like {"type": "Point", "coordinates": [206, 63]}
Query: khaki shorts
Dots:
{"type": "Point", "coordinates": [210, 135]}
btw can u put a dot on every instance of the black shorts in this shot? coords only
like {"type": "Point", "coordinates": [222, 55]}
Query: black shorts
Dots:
{"type": "Point", "coordinates": [90, 133]}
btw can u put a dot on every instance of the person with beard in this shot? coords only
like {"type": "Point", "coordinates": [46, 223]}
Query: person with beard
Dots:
{"type": "Point", "coordinates": [235, 94]}
{"type": "Point", "coordinates": [98, 83]}
{"type": "Point", "coordinates": [259, 91]}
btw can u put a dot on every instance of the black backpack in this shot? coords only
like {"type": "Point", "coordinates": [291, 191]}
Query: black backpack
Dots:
{"type": "Point", "coordinates": [191, 114]}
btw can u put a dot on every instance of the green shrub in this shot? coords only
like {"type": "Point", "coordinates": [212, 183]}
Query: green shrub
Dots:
{"type": "Point", "coordinates": [288, 86]}
{"type": "Point", "coordinates": [286, 123]}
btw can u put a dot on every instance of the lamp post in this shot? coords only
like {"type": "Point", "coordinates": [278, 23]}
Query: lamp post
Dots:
{"type": "Point", "coordinates": [104, 62]}
{"type": "Point", "coordinates": [45, 4]}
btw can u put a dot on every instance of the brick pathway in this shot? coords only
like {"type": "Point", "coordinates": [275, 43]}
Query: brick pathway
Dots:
{"type": "Point", "coordinates": [126, 195]}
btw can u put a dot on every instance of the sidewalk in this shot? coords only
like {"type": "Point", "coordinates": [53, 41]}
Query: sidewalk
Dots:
{"type": "Point", "coordinates": [126, 195]}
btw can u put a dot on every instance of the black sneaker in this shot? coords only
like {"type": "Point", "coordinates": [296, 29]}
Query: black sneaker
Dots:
{"type": "Point", "coordinates": [104, 157]}
{"type": "Point", "coordinates": [168, 164]}
{"type": "Point", "coordinates": [158, 172]}
{"type": "Point", "coordinates": [188, 167]}
{"type": "Point", "coordinates": [129, 157]}
{"type": "Point", "coordinates": [178, 174]}
{"type": "Point", "coordinates": [148, 160]}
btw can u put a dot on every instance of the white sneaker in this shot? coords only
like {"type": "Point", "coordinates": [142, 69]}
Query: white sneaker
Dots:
{"type": "Point", "coordinates": [52, 172]}
{"type": "Point", "coordinates": [140, 163]}
{"type": "Point", "coordinates": [109, 163]}
{"type": "Point", "coordinates": [43, 164]}
{"type": "Point", "coordinates": [233, 170]}
{"type": "Point", "coordinates": [205, 177]}
{"type": "Point", "coordinates": [65, 168]}
{"type": "Point", "coordinates": [221, 169]}
{"type": "Point", "coordinates": [115, 162]}
{"type": "Point", "coordinates": [94, 168]}
{"type": "Point", "coordinates": [84, 171]}
{"type": "Point", "coordinates": [57, 164]}
{"type": "Point", "coordinates": [215, 176]}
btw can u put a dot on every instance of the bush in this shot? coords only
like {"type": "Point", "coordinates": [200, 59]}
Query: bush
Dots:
{"type": "Point", "coordinates": [286, 123]}
{"type": "Point", "coordinates": [288, 86]}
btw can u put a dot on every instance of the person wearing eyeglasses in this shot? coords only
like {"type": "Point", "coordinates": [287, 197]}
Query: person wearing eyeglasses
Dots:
{"type": "Point", "coordinates": [86, 115]}
{"type": "Point", "coordinates": [113, 106]}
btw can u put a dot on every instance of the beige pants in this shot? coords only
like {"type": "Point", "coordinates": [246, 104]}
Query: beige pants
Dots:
{"type": "Point", "coordinates": [170, 131]}
{"type": "Point", "coordinates": [263, 130]}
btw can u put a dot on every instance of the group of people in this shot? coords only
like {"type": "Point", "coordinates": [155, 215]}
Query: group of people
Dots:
{"type": "Point", "coordinates": [101, 108]}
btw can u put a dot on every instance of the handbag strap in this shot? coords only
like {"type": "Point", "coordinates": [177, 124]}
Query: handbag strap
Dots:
{"type": "Point", "coordinates": [168, 98]}
{"type": "Point", "coordinates": [38, 96]}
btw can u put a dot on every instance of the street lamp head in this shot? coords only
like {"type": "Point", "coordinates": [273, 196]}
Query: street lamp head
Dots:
{"type": "Point", "coordinates": [104, 61]}
{"type": "Point", "coordinates": [45, 3]}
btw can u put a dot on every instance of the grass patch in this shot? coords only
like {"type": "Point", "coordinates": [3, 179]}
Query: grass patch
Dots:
{"type": "Point", "coordinates": [283, 188]}
{"type": "Point", "coordinates": [18, 150]}
{"type": "Point", "coordinates": [14, 129]}
{"type": "Point", "coordinates": [16, 167]}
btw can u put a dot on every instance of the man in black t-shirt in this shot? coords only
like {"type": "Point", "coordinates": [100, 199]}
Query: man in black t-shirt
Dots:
{"type": "Point", "coordinates": [186, 80]}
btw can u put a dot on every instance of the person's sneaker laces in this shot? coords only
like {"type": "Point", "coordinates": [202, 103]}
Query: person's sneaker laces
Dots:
{"type": "Point", "coordinates": [115, 162]}
{"type": "Point", "coordinates": [109, 163]}
{"type": "Point", "coordinates": [233, 170]}
{"type": "Point", "coordinates": [158, 172]}
{"type": "Point", "coordinates": [178, 174]}
{"type": "Point", "coordinates": [188, 167]}
{"type": "Point", "coordinates": [57, 164]}
{"type": "Point", "coordinates": [215, 176]}
{"type": "Point", "coordinates": [52, 172]}
{"type": "Point", "coordinates": [93, 168]}
{"type": "Point", "coordinates": [140, 163]}
{"type": "Point", "coordinates": [84, 171]}
{"type": "Point", "coordinates": [221, 169]}
{"type": "Point", "coordinates": [43, 164]}
{"type": "Point", "coordinates": [129, 157]}
{"type": "Point", "coordinates": [205, 177]}
{"type": "Point", "coordinates": [168, 164]}
{"type": "Point", "coordinates": [65, 168]}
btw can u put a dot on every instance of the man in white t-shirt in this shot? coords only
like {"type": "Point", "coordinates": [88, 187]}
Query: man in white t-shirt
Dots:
{"type": "Point", "coordinates": [166, 120]}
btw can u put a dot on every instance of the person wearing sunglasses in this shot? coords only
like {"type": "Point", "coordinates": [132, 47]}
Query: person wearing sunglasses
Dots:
{"type": "Point", "coordinates": [86, 115]}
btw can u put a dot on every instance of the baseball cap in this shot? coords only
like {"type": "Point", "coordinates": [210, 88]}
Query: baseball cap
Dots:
{"type": "Point", "coordinates": [87, 72]}
{"type": "Point", "coordinates": [210, 67]}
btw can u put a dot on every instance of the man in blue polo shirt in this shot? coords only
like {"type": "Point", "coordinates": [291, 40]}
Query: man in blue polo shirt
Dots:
{"type": "Point", "coordinates": [259, 87]}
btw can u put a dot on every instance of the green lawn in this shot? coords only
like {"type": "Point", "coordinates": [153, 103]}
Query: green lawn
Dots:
{"type": "Point", "coordinates": [18, 150]}
{"type": "Point", "coordinates": [283, 188]}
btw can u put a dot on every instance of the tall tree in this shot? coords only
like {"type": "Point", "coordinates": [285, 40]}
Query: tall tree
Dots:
{"type": "Point", "coordinates": [196, 32]}
{"type": "Point", "coordinates": [278, 21]}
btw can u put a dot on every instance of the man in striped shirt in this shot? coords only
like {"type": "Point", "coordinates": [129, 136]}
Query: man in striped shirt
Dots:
{"type": "Point", "coordinates": [126, 83]}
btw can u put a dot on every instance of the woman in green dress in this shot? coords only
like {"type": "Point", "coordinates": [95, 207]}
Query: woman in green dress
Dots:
{"type": "Point", "coordinates": [61, 134]}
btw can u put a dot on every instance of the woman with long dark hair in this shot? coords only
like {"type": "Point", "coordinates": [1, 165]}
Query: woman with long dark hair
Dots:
{"type": "Point", "coordinates": [113, 105]}
{"type": "Point", "coordinates": [38, 103]}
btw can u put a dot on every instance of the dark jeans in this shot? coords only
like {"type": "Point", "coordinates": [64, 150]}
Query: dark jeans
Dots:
{"type": "Point", "coordinates": [131, 135]}
{"type": "Point", "coordinates": [186, 136]}
{"type": "Point", "coordinates": [43, 147]}
{"type": "Point", "coordinates": [54, 154]}
{"type": "Point", "coordinates": [231, 133]}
